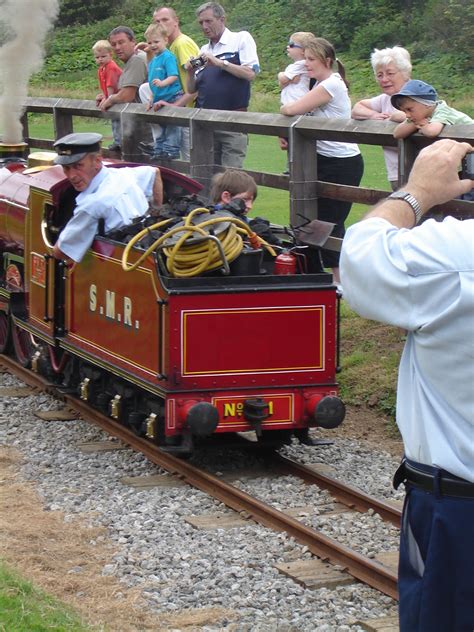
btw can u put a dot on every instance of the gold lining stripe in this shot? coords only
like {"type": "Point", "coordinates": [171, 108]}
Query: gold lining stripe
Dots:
{"type": "Point", "coordinates": [252, 310]}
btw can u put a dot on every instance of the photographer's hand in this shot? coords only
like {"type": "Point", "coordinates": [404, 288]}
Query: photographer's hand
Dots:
{"type": "Point", "coordinates": [433, 180]}
{"type": "Point", "coordinates": [434, 177]}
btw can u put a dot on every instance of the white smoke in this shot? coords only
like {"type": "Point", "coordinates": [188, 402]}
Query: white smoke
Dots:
{"type": "Point", "coordinates": [24, 25]}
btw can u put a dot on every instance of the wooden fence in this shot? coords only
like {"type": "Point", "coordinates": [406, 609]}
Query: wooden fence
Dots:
{"type": "Point", "coordinates": [302, 183]}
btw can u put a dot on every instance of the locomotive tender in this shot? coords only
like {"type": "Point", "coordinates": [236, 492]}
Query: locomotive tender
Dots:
{"type": "Point", "coordinates": [173, 358]}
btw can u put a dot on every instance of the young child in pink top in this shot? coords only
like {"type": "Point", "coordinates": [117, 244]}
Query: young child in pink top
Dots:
{"type": "Point", "coordinates": [108, 73]}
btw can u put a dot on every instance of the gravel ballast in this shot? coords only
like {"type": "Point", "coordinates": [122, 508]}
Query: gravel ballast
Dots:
{"type": "Point", "coordinates": [179, 567]}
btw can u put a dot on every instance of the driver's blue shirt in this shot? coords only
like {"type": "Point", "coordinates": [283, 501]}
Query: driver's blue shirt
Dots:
{"type": "Point", "coordinates": [118, 195]}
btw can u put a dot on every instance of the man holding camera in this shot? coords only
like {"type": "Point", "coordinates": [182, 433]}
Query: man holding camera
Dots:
{"type": "Point", "coordinates": [221, 75]}
{"type": "Point", "coordinates": [421, 278]}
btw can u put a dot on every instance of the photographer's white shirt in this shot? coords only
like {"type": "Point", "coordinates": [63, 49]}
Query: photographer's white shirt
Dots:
{"type": "Point", "coordinates": [423, 281]}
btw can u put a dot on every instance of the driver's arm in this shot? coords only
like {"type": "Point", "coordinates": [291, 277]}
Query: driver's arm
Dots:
{"type": "Point", "coordinates": [158, 190]}
{"type": "Point", "coordinates": [76, 237]}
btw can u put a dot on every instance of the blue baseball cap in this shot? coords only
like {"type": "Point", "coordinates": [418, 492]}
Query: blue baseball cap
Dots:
{"type": "Point", "coordinates": [418, 91]}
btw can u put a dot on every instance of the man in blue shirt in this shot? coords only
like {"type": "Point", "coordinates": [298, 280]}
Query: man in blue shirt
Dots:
{"type": "Point", "coordinates": [421, 278]}
{"type": "Point", "coordinates": [119, 196]}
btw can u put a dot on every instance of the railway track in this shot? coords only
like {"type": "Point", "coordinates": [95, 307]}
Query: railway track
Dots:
{"type": "Point", "coordinates": [362, 568]}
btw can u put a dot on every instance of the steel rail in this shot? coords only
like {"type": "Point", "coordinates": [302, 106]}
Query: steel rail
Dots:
{"type": "Point", "coordinates": [365, 569]}
{"type": "Point", "coordinates": [343, 492]}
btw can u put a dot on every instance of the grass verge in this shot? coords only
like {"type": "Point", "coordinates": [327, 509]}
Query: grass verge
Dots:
{"type": "Point", "coordinates": [24, 608]}
{"type": "Point", "coordinates": [370, 353]}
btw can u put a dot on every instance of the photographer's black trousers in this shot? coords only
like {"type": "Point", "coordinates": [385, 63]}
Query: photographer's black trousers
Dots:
{"type": "Point", "coordinates": [436, 569]}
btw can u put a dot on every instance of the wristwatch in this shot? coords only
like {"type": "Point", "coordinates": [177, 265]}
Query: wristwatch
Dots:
{"type": "Point", "coordinates": [225, 62]}
{"type": "Point", "coordinates": [409, 199]}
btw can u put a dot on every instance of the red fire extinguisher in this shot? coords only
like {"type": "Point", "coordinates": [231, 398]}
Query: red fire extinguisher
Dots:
{"type": "Point", "coordinates": [285, 263]}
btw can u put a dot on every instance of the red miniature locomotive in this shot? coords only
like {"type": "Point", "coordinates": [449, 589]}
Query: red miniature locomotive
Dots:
{"type": "Point", "coordinates": [174, 357]}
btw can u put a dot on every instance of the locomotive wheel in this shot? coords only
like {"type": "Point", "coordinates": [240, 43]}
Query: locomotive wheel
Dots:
{"type": "Point", "coordinates": [23, 345]}
{"type": "Point", "coordinates": [4, 332]}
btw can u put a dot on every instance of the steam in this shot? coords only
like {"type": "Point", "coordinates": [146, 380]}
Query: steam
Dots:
{"type": "Point", "coordinates": [23, 28]}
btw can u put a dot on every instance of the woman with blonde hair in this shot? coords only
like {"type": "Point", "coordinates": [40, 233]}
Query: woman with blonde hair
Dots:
{"type": "Point", "coordinates": [338, 162]}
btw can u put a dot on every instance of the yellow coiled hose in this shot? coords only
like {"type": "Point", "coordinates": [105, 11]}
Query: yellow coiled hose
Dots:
{"type": "Point", "coordinates": [187, 260]}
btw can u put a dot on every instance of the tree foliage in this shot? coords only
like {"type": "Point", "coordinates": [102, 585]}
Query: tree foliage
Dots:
{"type": "Point", "coordinates": [450, 23]}
{"type": "Point", "coordinates": [72, 12]}
{"type": "Point", "coordinates": [428, 28]}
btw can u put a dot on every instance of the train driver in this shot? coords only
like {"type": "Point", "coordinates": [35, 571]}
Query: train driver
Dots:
{"type": "Point", "coordinates": [119, 196]}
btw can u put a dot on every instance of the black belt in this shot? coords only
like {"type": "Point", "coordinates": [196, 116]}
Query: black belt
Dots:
{"type": "Point", "coordinates": [449, 485]}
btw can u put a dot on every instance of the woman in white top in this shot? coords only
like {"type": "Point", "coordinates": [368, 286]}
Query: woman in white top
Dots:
{"type": "Point", "coordinates": [338, 162]}
{"type": "Point", "coordinates": [392, 69]}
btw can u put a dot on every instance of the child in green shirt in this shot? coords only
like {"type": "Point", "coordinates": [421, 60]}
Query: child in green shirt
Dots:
{"type": "Point", "coordinates": [425, 113]}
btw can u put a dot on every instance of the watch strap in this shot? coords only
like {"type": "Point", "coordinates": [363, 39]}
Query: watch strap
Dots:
{"type": "Point", "coordinates": [411, 200]}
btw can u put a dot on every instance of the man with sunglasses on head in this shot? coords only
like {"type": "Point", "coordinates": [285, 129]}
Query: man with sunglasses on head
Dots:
{"type": "Point", "coordinates": [230, 63]}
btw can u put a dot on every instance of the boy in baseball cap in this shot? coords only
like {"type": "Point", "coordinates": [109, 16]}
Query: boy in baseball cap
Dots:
{"type": "Point", "coordinates": [425, 113]}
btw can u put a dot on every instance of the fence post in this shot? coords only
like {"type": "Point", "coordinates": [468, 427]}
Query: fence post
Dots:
{"type": "Point", "coordinates": [303, 176]}
{"type": "Point", "coordinates": [62, 123]}
{"type": "Point", "coordinates": [25, 129]}
{"type": "Point", "coordinates": [201, 165]}
{"type": "Point", "coordinates": [407, 152]}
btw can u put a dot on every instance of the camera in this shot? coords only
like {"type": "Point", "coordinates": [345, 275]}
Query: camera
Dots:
{"type": "Point", "coordinates": [197, 62]}
{"type": "Point", "coordinates": [467, 166]}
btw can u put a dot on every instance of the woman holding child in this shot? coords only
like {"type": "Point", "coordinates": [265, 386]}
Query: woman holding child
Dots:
{"type": "Point", "coordinates": [340, 163]}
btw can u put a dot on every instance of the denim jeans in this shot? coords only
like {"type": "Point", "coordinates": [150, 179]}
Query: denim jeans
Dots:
{"type": "Point", "coordinates": [169, 142]}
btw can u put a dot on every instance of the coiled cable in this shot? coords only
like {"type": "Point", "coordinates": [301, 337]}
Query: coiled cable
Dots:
{"type": "Point", "coordinates": [188, 260]}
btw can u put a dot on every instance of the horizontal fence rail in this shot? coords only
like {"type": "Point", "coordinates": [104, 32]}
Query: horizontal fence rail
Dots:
{"type": "Point", "coordinates": [302, 131]}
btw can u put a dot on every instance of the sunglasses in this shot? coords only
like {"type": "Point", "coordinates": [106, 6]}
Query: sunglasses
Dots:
{"type": "Point", "coordinates": [293, 45]}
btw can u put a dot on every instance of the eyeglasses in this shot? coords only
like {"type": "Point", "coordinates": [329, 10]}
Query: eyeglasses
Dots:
{"type": "Point", "coordinates": [293, 45]}
{"type": "Point", "coordinates": [389, 74]}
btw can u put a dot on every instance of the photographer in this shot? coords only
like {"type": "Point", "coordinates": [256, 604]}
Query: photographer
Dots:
{"type": "Point", "coordinates": [222, 79]}
{"type": "Point", "coordinates": [423, 280]}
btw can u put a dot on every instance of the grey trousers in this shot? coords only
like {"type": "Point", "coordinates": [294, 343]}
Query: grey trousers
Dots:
{"type": "Point", "coordinates": [230, 149]}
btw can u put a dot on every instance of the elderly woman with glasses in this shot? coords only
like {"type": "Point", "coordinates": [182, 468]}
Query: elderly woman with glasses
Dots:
{"type": "Point", "coordinates": [392, 69]}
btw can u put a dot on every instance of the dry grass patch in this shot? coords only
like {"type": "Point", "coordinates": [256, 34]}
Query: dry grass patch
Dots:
{"type": "Point", "coordinates": [59, 558]}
